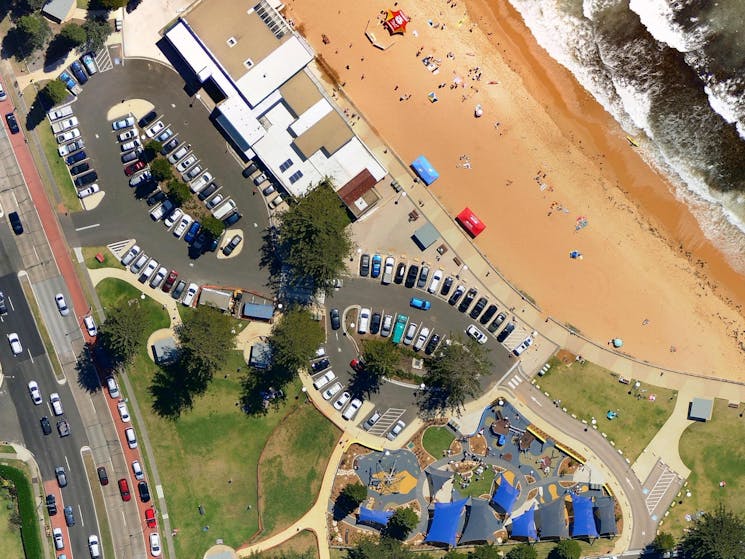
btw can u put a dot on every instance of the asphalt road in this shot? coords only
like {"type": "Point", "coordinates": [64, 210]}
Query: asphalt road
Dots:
{"type": "Point", "coordinates": [121, 216]}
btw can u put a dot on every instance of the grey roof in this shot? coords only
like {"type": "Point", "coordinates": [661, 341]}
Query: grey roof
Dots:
{"type": "Point", "coordinates": [58, 9]}
{"type": "Point", "coordinates": [426, 236]}
{"type": "Point", "coordinates": [261, 356]}
{"type": "Point", "coordinates": [480, 522]}
{"type": "Point", "coordinates": [701, 409]}
{"type": "Point", "coordinates": [165, 350]}
{"type": "Point", "coordinates": [438, 478]}
{"type": "Point", "coordinates": [258, 310]}
{"type": "Point", "coordinates": [551, 520]}
{"type": "Point", "coordinates": [215, 298]}
{"type": "Point", "coordinates": [605, 516]}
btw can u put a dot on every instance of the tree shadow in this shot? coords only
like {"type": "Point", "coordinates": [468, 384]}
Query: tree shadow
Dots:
{"type": "Point", "coordinates": [57, 51]}
{"type": "Point", "coordinates": [364, 383]}
{"type": "Point", "coordinates": [37, 113]}
{"type": "Point", "coordinates": [145, 189]}
{"type": "Point", "coordinates": [343, 507]}
{"type": "Point", "coordinates": [13, 45]}
{"type": "Point", "coordinates": [263, 389]}
{"type": "Point", "coordinates": [270, 255]}
{"type": "Point", "coordinates": [171, 396]}
{"type": "Point", "coordinates": [85, 366]}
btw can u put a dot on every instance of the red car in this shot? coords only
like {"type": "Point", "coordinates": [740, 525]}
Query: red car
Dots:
{"type": "Point", "coordinates": [168, 284]}
{"type": "Point", "coordinates": [357, 365]}
{"type": "Point", "coordinates": [124, 490]}
{"type": "Point", "coordinates": [130, 170]}
{"type": "Point", "coordinates": [150, 518]}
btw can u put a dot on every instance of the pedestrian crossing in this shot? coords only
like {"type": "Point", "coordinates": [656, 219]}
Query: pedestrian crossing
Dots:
{"type": "Point", "coordinates": [516, 379]}
{"type": "Point", "coordinates": [120, 247]}
{"type": "Point", "coordinates": [661, 486]}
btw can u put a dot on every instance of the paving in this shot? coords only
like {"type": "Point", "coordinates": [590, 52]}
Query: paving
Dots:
{"type": "Point", "coordinates": [660, 488]}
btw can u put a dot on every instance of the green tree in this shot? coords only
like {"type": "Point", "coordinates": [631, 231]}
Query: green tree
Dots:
{"type": "Point", "coordinates": [664, 541]}
{"type": "Point", "coordinates": [522, 551]}
{"type": "Point", "coordinates": [400, 525]}
{"type": "Point", "coordinates": [73, 34]}
{"type": "Point", "coordinates": [349, 499]}
{"type": "Point", "coordinates": [97, 31]}
{"type": "Point", "coordinates": [123, 334]}
{"type": "Point", "coordinates": [31, 33]}
{"type": "Point", "coordinates": [313, 240]}
{"type": "Point", "coordinates": [383, 548]}
{"type": "Point", "coordinates": [178, 192]}
{"type": "Point", "coordinates": [152, 149]}
{"type": "Point", "coordinates": [566, 549]}
{"type": "Point", "coordinates": [294, 341]}
{"type": "Point", "coordinates": [54, 91]}
{"type": "Point", "coordinates": [715, 535]}
{"type": "Point", "coordinates": [381, 358]}
{"type": "Point", "coordinates": [486, 551]}
{"type": "Point", "coordinates": [111, 4]}
{"type": "Point", "coordinates": [205, 338]}
{"type": "Point", "coordinates": [32, 5]}
{"type": "Point", "coordinates": [213, 226]}
{"type": "Point", "coordinates": [161, 169]}
{"type": "Point", "coordinates": [452, 376]}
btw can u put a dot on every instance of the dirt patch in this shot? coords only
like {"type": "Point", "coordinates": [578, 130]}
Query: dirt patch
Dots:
{"type": "Point", "coordinates": [348, 458]}
{"type": "Point", "coordinates": [341, 481]}
{"type": "Point", "coordinates": [304, 542]}
{"type": "Point", "coordinates": [343, 533]}
{"type": "Point", "coordinates": [478, 445]}
{"type": "Point", "coordinates": [566, 357]}
{"type": "Point", "coordinates": [568, 466]}
{"type": "Point", "coordinates": [567, 484]}
{"type": "Point", "coordinates": [423, 457]}
{"type": "Point", "coordinates": [530, 479]}
{"type": "Point", "coordinates": [532, 493]}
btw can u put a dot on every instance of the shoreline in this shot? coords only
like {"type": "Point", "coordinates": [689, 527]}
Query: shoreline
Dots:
{"type": "Point", "coordinates": [634, 282]}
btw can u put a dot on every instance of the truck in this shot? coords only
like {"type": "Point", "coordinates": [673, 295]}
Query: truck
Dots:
{"type": "Point", "coordinates": [399, 327]}
{"type": "Point", "coordinates": [64, 124]}
{"type": "Point", "coordinates": [224, 209]}
{"type": "Point", "coordinates": [63, 428]}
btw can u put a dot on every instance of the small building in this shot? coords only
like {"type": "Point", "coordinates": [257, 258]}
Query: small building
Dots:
{"type": "Point", "coordinates": [258, 311]}
{"type": "Point", "coordinates": [359, 194]}
{"type": "Point", "coordinates": [165, 351]}
{"type": "Point", "coordinates": [700, 409]}
{"type": "Point", "coordinates": [59, 10]}
{"type": "Point", "coordinates": [216, 298]}
{"type": "Point", "coordinates": [261, 356]}
{"type": "Point", "coordinates": [425, 236]}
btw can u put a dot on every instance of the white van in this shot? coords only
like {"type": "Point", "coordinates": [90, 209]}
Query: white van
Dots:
{"type": "Point", "coordinates": [129, 433]}
{"type": "Point", "coordinates": [223, 210]}
{"type": "Point", "coordinates": [364, 321]}
{"type": "Point", "coordinates": [90, 326]}
{"type": "Point", "coordinates": [137, 470]}
{"type": "Point", "coordinates": [160, 210]}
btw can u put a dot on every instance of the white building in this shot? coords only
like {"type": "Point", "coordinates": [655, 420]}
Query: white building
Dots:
{"type": "Point", "coordinates": [252, 65]}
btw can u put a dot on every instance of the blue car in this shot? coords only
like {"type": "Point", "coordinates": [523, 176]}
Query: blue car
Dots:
{"type": "Point", "coordinates": [77, 69]}
{"type": "Point", "coordinates": [67, 80]}
{"type": "Point", "coordinates": [421, 304]}
{"type": "Point", "coordinates": [191, 234]}
{"type": "Point", "coordinates": [75, 157]}
{"type": "Point", "coordinates": [376, 262]}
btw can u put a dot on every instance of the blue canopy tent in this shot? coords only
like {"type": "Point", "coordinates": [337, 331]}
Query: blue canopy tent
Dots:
{"type": "Point", "coordinates": [523, 526]}
{"type": "Point", "coordinates": [584, 520]}
{"type": "Point", "coordinates": [371, 516]}
{"type": "Point", "coordinates": [505, 496]}
{"type": "Point", "coordinates": [425, 170]}
{"type": "Point", "coordinates": [445, 522]}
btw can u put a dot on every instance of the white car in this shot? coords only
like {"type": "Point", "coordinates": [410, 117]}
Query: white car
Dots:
{"type": "Point", "coordinates": [178, 154]}
{"type": "Point", "coordinates": [123, 411]}
{"type": "Point", "coordinates": [94, 547]}
{"type": "Point", "coordinates": [67, 149]}
{"type": "Point", "coordinates": [183, 225]}
{"type": "Point", "coordinates": [352, 409]}
{"type": "Point", "coordinates": [175, 215]}
{"type": "Point", "coordinates": [113, 387]}
{"type": "Point", "coordinates": [435, 283]}
{"type": "Point", "coordinates": [59, 541]}
{"type": "Point", "coordinates": [200, 183]}
{"type": "Point", "coordinates": [523, 346]}
{"type": "Point", "coordinates": [323, 380]}
{"type": "Point", "coordinates": [60, 113]}
{"type": "Point", "coordinates": [137, 470]}
{"type": "Point", "coordinates": [33, 389]}
{"type": "Point", "coordinates": [155, 550]}
{"type": "Point", "coordinates": [90, 326]}
{"type": "Point", "coordinates": [342, 400]}
{"type": "Point", "coordinates": [68, 135]}
{"type": "Point", "coordinates": [15, 343]}
{"type": "Point", "coordinates": [129, 434]}
{"type": "Point", "coordinates": [191, 293]}
{"type": "Point", "coordinates": [127, 135]}
{"type": "Point", "coordinates": [159, 276]}
{"type": "Point", "coordinates": [129, 146]}
{"type": "Point", "coordinates": [388, 270]}
{"type": "Point", "coordinates": [422, 339]}
{"type": "Point", "coordinates": [476, 334]}
{"type": "Point", "coordinates": [130, 255]}
{"type": "Point", "coordinates": [92, 189]}
{"type": "Point", "coordinates": [155, 128]}
{"type": "Point", "coordinates": [142, 177]}
{"type": "Point", "coordinates": [56, 403]}
{"type": "Point", "coordinates": [127, 122]}
{"type": "Point", "coordinates": [397, 428]}
{"type": "Point", "coordinates": [410, 333]}
{"type": "Point", "coordinates": [61, 304]}
{"type": "Point", "coordinates": [364, 321]}
{"type": "Point", "coordinates": [332, 391]}
{"type": "Point", "coordinates": [149, 270]}
{"type": "Point", "coordinates": [186, 163]}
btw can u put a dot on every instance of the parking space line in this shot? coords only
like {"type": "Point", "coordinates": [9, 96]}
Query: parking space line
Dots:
{"type": "Point", "coordinates": [387, 419]}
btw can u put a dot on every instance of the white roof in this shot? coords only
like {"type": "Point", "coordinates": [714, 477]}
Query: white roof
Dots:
{"type": "Point", "coordinates": [242, 119]}
{"type": "Point", "coordinates": [310, 117]}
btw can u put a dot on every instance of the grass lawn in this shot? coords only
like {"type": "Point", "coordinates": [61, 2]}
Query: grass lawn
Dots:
{"type": "Point", "coordinates": [713, 452]}
{"type": "Point", "coordinates": [109, 260]}
{"type": "Point", "coordinates": [590, 391]}
{"type": "Point", "coordinates": [437, 439]}
{"type": "Point", "coordinates": [29, 532]}
{"type": "Point", "coordinates": [209, 456]}
{"type": "Point", "coordinates": [59, 169]}
{"type": "Point", "coordinates": [10, 536]}
{"type": "Point", "coordinates": [304, 542]}
{"type": "Point", "coordinates": [115, 293]}
{"type": "Point", "coordinates": [476, 488]}
{"type": "Point", "coordinates": [292, 466]}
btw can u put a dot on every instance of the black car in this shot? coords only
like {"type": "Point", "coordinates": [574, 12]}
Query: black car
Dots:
{"type": "Point", "coordinates": [51, 505]}
{"type": "Point", "coordinates": [501, 317]}
{"type": "Point", "coordinates": [12, 123]}
{"type": "Point", "coordinates": [467, 300]}
{"type": "Point", "coordinates": [319, 366]}
{"type": "Point", "coordinates": [147, 119]}
{"type": "Point", "coordinates": [144, 491]}
{"type": "Point", "coordinates": [478, 307]}
{"type": "Point", "coordinates": [400, 273]}
{"type": "Point", "coordinates": [375, 323]}
{"type": "Point", "coordinates": [81, 168]}
{"type": "Point", "coordinates": [486, 317]}
{"type": "Point", "coordinates": [69, 516]}
{"type": "Point", "coordinates": [15, 223]}
{"type": "Point", "coordinates": [103, 477]}
{"type": "Point", "coordinates": [169, 146]}
{"type": "Point", "coordinates": [432, 344]}
{"type": "Point", "coordinates": [200, 243]}
{"type": "Point", "coordinates": [179, 289]}
{"type": "Point", "coordinates": [446, 286]}
{"type": "Point", "coordinates": [46, 426]}
{"type": "Point", "coordinates": [335, 319]}
{"type": "Point", "coordinates": [365, 265]}
{"type": "Point", "coordinates": [209, 191]}
{"type": "Point", "coordinates": [422, 281]}
{"type": "Point", "coordinates": [75, 157]}
{"type": "Point", "coordinates": [156, 198]}
{"type": "Point", "coordinates": [3, 307]}
{"type": "Point", "coordinates": [232, 219]}
{"type": "Point", "coordinates": [411, 275]}
{"type": "Point", "coordinates": [506, 332]}
{"type": "Point", "coordinates": [85, 180]}
{"type": "Point", "coordinates": [232, 245]}
{"type": "Point", "coordinates": [250, 170]}
{"type": "Point", "coordinates": [456, 295]}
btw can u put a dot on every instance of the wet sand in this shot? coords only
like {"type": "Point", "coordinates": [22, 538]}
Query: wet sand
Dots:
{"type": "Point", "coordinates": [648, 274]}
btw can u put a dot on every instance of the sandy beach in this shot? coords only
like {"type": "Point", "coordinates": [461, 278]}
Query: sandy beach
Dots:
{"type": "Point", "coordinates": [543, 159]}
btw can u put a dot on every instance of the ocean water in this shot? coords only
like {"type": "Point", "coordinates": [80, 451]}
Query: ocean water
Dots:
{"type": "Point", "coordinates": [672, 73]}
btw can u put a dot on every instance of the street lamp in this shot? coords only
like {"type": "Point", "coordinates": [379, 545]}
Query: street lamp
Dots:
{"type": "Point", "coordinates": [304, 390]}
{"type": "Point", "coordinates": [401, 195]}
{"type": "Point", "coordinates": [463, 268]}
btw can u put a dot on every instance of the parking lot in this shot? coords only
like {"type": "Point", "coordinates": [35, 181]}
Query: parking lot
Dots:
{"type": "Point", "coordinates": [122, 216]}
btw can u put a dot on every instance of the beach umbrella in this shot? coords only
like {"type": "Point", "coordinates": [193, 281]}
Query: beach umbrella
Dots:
{"type": "Point", "coordinates": [395, 21]}
{"type": "Point", "coordinates": [478, 111]}
{"type": "Point", "coordinates": [617, 342]}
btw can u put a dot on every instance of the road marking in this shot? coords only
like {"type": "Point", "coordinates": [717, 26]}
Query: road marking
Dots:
{"type": "Point", "coordinates": [629, 482]}
{"type": "Point", "coordinates": [536, 401]}
{"type": "Point", "coordinates": [88, 227]}
{"type": "Point", "coordinates": [11, 303]}
{"type": "Point", "coordinates": [29, 355]}
{"type": "Point", "coordinates": [68, 463]}
{"type": "Point", "coordinates": [82, 522]}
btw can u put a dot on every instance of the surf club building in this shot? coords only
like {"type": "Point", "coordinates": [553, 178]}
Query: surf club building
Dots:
{"type": "Point", "coordinates": [254, 68]}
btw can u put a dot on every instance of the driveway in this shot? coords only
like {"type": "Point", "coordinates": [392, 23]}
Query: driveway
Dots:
{"type": "Point", "coordinates": [121, 216]}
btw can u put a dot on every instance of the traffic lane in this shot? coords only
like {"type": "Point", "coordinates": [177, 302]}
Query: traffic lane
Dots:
{"type": "Point", "coordinates": [57, 520]}
{"type": "Point", "coordinates": [19, 320]}
{"type": "Point", "coordinates": [62, 329]}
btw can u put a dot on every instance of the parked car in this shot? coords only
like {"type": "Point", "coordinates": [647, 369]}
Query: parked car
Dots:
{"type": "Point", "coordinates": [432, 344]}
{"type": "Point", "coordinates": [410, 333]}
{"type": "Point", "coordinates": [323, 380]}
{"type": "Point", "coordinates": [178, 290]}
{"type": "Point", "coordinates": [335, 319]}
{"type": "Point", "coordinates": [332, 391]}
{"type": "Point", "coordinates": [435, 283]}
{"type": "Point", "coordinates": [183, 225]}
{"type": "Point", "coordinates": [232, 219]}
{"type": "Point", "coordinates": [411, 276]}
{"type": "Point", "coordinates": [342, 400]}
{"type": "Point", "coordinates": [423, 275]}
{"type": "Point", "coordinates": [85, 192]}
{"type": "Point", "coordinates": [148, 271]}
{"type": "Point", "coordinates": [400, 273]}
{"type": "Point", "coordinates": [388, 270]}
{"type": "Point", "coordinates": [191, 293]}
{"type": "Point", "coordinates": [385, 328]}
{"type": "Point", "coordinates": [147, 119]}
{"type": "Point", "coordinates": [67, 149]}
{"type": "Point", "coordinates": [86, 179]}
{"type": "Point", "coordinates": [137, 265]}
{"type": "Point", "coordinates": [150, 518]}
{"type": "Point", "coordinates": [65, 137]}
{"type": "Point", "coordinates": [170, 280]}
{"type": "Point", "coordinates": [372, 420]}
{"type": "Point", "coordinates": [376, 264]}
{"type": "Point", "coordinates": [191, 233]}
{"type": "Point", "coordinates": [155, 129]}
{"type": "Point", "coordinates": [61, 112]}
{"type": "Point", "coordinates": [66, 79]}
{"type": "Point", "coordinates": [421, 304]}
{"type": "Point", "coordinates": [79, 168]}
{"type": "Point", "coordinates": [523, 346]}
{"type": "Point", "coordinates": [129, 434]}
{"type": "Point", "coordinates": [467, 300]}
{"type": "Point", "coordinates": [51, 505]}
{"type": "Point", "coordinates": [103, 477]}
{"type": "Point", "coordinates": [144, 491]}
{"type": "Point", "coordinates": [363, 322]}
{"type": "Point", "coordinates": [320, 365]}
{"type": "Point", "coordinates": [476, 334]}
{"type": "Point", "coordinates": [364, 265]}
{"type": "Point", "coordinates": [131, 156]}
{"type": "Point", "coordinates": [3, 306]}
{"type": "Point", "coordinates": [208, 191]}
{"type": "Point", "coordinates": [112, 387]}
{"type": "Point", "coordinates": [90, 326]}
{"type": "Point", "coordinates": [261, 178]}
{"type": "Point", "coordinates": [459, 291]}
{"type": "Point", "coordinates": [478, 307]}
{"type": "Point", "coordinates": [232, 245]}
{"type": "Point", "coordinates": [140, 178]}
{"type": "Point", "coordinates": [214, 201]}
{"type": "Point", "coordinates": [173, 217]}
{"type": "Point", "coordinates": [90, 65]}
{"type": "Point", "coordinates": [15, 223]}
{"type": "Point", "coordinates": [375, 321]}
{"type": "Point", "coordinates": [352, 409]}
{"type": "Point", "coordinates": [129, 146]}
{"type": "Point", "coordinates": [130, 170]}
{"type": "Point", "coordinates": [62, 307]}
{"type": "Point", "coordinates": [77, 70]}
{"type": "Point", "coordinates": [163, 136]}
{"type": "Point", "coordinates": [177, 155]}
{"type": "Point", "coordinates": [155, 549]}
{"type": "Point", "coordinates": [123, 123]}
{"type": "Point", "coordinates": [155, 198]}
{"type": "Point", "coordinates": [421, 339]}
{"type": "Point", "coordinates": [446, 286]}
{"type": "Point", "coordinates": [497, 322]}
{"type": "Point", "coordinates": [169, 146]}
{"type": "Point", "coordinates": [186, 163]}
{"type": "Point", "coordinates": [59, 540]}
{"type": "Point", "coordinates": [396, 431]}
{"type": "Point", "coordinates": [121, 406]}
{"type": "Point", "coordinates": [75, 157]}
